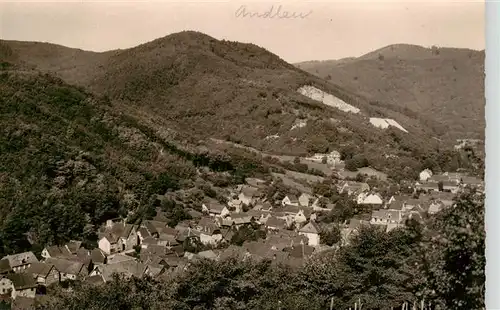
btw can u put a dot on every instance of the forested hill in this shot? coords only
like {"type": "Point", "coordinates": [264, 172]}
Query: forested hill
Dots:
{"type": "Point", "coordinates": [189, 87]}
{"type": "Point", "coordinates": [68, 163]}
{"type": "Point", "coordinates": [444, 85]}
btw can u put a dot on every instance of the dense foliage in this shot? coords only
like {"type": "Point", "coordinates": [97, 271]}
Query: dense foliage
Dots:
{"type": "Point", "coordinates": [380, 269]}
{"type": "Point", "coordinates": [68, 163]}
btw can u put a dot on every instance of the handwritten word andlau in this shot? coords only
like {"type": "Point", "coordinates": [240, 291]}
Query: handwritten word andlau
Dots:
{"type": "Point", "coordinates": [271, 13]}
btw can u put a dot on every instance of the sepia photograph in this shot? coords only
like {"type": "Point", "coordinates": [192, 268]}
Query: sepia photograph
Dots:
{"type": "Point", "coordinates": [242, 155]}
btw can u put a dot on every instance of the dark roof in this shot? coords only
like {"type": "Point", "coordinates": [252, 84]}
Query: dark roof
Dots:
{"type": "Point", "coordinates": [98, 256]}
{"type": "Point", "coordinates": [39, 269]}
{"type": "Point", "coordinates": [21, 259]}
{"type": "Point", "coordinates": [311, 228]}
{"type": "Point", "coordinates": [5, 266]}
{"type": "Point", "coordinates": [66, 266]}
{"type": "Point", "coordinates": [58, 251]}
{"type": "Point", "coordinates": [73, 246]}
{"type": "Point", "coordinates": [275, 222]}
{"type": "Point", "coordinates": [144, 232]}
{"type": "Point", "coordinates": [22, 281]}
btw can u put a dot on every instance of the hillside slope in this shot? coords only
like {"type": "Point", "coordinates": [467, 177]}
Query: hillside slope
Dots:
{"type": "Point", "coordinates": [68, 163]}
{"type": "Point", "coordinates": [444, 85]}
{"type": "Point", "coordinates": [189, 87]}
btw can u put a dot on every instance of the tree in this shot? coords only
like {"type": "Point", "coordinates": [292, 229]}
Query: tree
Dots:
{"type": "Point", "coordinates": [330, 236]}
{"type": "Point", "coordinates": [454, 263]}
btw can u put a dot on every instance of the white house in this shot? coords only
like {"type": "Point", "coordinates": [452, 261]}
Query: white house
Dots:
{"type": "Point", "coordinates": [213, 208]}
{"type": "Point", "coordinates": [369, 199]}
{"type": "Point", "coordinates": [290, 200]}
{"type": "Point", "coordinates": [311, 230]}
{"type": "Point", "coordinates": [249, 195]}
{"type": "Point", "coordinates": [305, 200]}
{"type": "Point", "coordinates": [209, 231]}
{"type": "Point", "coordinates": [425, 175]}
{"type": "Point", "coordinates": [300, 217]}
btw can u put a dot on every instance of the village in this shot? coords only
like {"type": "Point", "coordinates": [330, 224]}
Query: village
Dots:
{"type": "Point", "coordinates": [288, 230]}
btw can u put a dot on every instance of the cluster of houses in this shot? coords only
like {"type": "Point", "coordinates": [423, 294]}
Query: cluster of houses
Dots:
{"type": "Point", "coordinates": [154, 249]}
{"type": "Point", "coordinates": [448, 181]}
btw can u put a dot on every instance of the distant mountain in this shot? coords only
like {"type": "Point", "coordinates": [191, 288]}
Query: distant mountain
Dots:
{"type": "Point", "coordinates": [442, 85]}
{"type": "Point", "coordinates": [189, 87]}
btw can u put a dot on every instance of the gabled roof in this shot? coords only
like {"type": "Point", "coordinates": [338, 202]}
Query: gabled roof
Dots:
{"type": "Point", "coordinates": [73, 246]}
{"type": "Point", "coordinates": [22, 281]}
{"type": "Point", "coordinates": [126, 268]}
{"type": "Point", "coordinates": [21, 259]}
{"type": "Point", "coordinates": [39, 269]}
{"type": "Point", "coordinates": [4, 266]}
{"type": "Point", "coordinates": [98, 256]}
{"type": "Point", "coordinates": [274, 222]}
{"type": "Point", "coordinates": [293, 198]}
{"type": "Point", "coordinates": [95, 279]}
{"type": "Point", "coordinates": [66, 266]}
{"type": "Point", "coordinates": [395, 205]}
{"type": "Point", "coordinates": [214, 207]}
{"type": "Point", "coordinates": [311, 228]}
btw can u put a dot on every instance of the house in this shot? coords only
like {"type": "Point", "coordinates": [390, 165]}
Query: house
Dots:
{"type": "Point", "coordinates": [412, 204]}
{"type": "Point", "coordinates": [435, 207]}
{"type": "Point", "coordinates": [43, 273]}
{"type": "Point", "coordinates": [352, 188]}
{"type": "Point", "coordinates": [126, 268]}
{"type": "Point", "coordinates": [455, 177]}
{"type": "Point", "coordinates": [73, 246]}
{"type": "Point", "coordinates": [5, 267]}
{"type": "Point", "coordinates": [118, 237]}
{"type": "Point", "coordinates": [249, 195]}
{"type": "Point", "coordinates": [290, 200]}
{"type": "Point", "coordinates": [69, 270]}
{"type": "Point", "coordinates": [143, 233]}
{"type": "Point", "coordinates": [311, 230]}
{"type": "Point", "coordinates": [427, 187]}
{"type": "Point", "coordinates": [21, 261]}
{"type": "Point", "coordinates": [263, 206]}
{"type": "Point", "coordinates": [55, 251]}
{"type": "Point", "coordinates": [471, 181]}
{"type": "Point", "coordinates": [300, 217]}
{"type": "Point", "coordinates": [438, 178]}
{"type": "Point", "coordinates": [236, 205]}
{"type": "Point", "coordinates": [273, 223]}
{"type": "Point", "coordinates": [305, 200]}
{"type": "Point", "coordinates": [384, 217]}
{"type": "Point", "coordinates": [209, 231]}
{"type": "Point", "coordinates": [153, 227]}
{"type": "Point", "coordinates": [214, 209]}
{"type": "Point", "coordinates": [369, 199]}
{"type": "Point", "coordinates": [22, 285]}
{"type": "Point", "coordinates": [98, 256]}
{"type": "Point", "coordinates": [425, 175]}
{"type": "Point", "coordinates": [242, 219]}
{"type": "Point", "coordinates": [400, 198]}
{"type": "Point", "coordinates": [450, 186]}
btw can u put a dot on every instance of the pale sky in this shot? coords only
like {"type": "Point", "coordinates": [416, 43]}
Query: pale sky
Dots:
{"type": "Point", "coordinates": [332, 30]}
